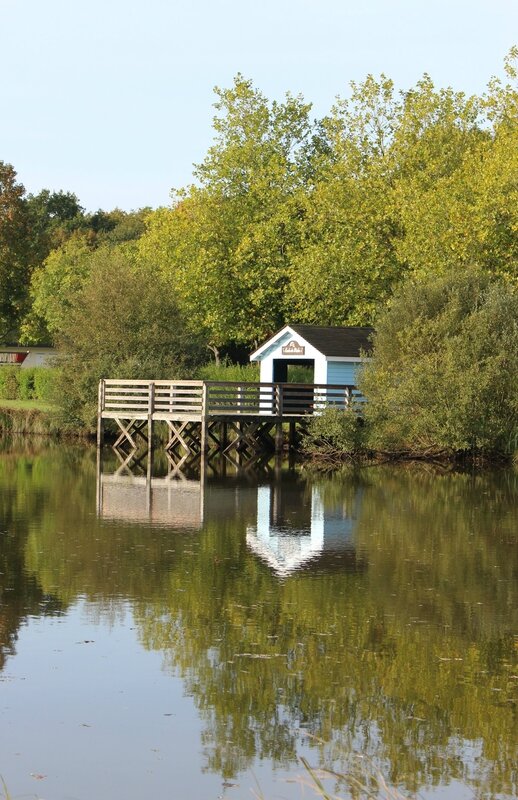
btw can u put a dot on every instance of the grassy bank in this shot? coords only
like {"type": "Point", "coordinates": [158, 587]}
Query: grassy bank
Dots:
{"type": "Point", "coordinates": [25, 417]}
{"type": "Point", "coordinates": [27, 405]}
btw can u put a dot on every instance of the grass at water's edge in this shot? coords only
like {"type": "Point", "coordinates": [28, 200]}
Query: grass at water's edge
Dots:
{"type": "Point", "coordinates": [26, 405]}
{"type": "Point", "coordinates": [35, 418]}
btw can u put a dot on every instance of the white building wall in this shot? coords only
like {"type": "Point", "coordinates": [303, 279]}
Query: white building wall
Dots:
{"type": "Point", "coordinates": [266, 368]}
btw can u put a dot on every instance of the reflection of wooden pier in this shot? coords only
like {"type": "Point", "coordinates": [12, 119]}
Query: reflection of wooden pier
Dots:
{"type": "Point", "coordinates": [155, 500]}
{"type": "Point", "coordinates": [212, 417]}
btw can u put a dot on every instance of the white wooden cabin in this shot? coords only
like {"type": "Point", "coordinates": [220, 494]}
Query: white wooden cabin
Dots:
{"type": "Point", "coordinates": [332, 354]}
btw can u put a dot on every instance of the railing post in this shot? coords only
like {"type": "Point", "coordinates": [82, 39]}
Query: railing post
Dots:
{"type": "Point", "coordinates": [279, 399]}
{"type": "Point", "coordinates": [204, 416]}
{"type": "Point", "coordinates": [279, 439]}
{"type": "Point", "coordinates": [100, 409]}
{"type": "Point", "coordinates": [347, 396]}
{"type": "Point", "coordinates": [150, 412]}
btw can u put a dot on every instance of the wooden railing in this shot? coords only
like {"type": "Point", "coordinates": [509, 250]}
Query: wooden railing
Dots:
{"type": "Point", "coordinates": [174, 399]}
{"type": "Point", "coordinates": [198, 399]}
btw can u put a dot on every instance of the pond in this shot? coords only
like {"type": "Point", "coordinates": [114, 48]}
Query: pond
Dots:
{"type": "Point", "coordinates": [179, 638]}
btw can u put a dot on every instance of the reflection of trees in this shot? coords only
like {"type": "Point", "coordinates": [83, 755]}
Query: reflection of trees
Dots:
{"type": "Point", "coordinates": [407, 662]}
{"type": "Point", "coordinates": [409, 658]}
{"type": "Point", "coordinates": [22, 493]}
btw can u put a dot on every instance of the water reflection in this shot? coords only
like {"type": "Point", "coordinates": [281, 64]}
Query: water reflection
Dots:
{"type": "Point", "coordinates": [392, 632]}
{"type": "Point", "coordinates": [290, 534]}
{"type": "Point", "coordinates": [160, 501]}
{"type": "Point", "coordinates": [292, 525]}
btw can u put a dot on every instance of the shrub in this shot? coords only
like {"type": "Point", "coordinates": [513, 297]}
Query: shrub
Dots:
{"type": "Point", "coordinates": [45, 383]}
{"type": "Point", "coordinates": [444, 366]}
{"type": "Point", "coordinates": [30, 383]}
{"type": "Point", "coordinates": [334, 433]}
{"type": "Point", "coordinates": [25, 379]}
{"type": "Point", "coordinates": [9, 385]}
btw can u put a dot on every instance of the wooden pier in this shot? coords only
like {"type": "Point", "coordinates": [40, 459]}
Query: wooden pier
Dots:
{"type": "Point", "coordinates": [213, 417]}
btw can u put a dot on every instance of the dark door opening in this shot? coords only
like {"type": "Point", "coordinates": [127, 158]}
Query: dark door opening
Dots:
{"type": "Point", "coordinates": [299, 371]}
{"type": "Point", "coordinates": [299, 399]}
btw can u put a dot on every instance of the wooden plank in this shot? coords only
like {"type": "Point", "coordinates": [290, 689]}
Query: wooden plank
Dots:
{"type": "Point", "coordinates": [178, 406]}
{"type": "Point", "coordinates": [129, 406]}
{"type": "Point", "coordinates": [121, 415]}
{"type": "Point", "coordinates": [130, 398]}
{"type": "Point", "coordinates": [128, 382]}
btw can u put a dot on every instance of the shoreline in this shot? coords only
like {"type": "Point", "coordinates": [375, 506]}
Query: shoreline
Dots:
{"type": "Point", "coordinates": [23, 418]}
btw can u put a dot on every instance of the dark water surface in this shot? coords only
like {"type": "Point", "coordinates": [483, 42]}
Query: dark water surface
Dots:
{"type": "Point", "coordinates": [189, 641]}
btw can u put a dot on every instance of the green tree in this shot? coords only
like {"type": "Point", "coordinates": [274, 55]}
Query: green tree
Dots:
{"type": "Point", "coordinates": [54, 287]}
{"type": "Point", "coordinates": [122, 322]}
{"type": "Point", "coordinates": [226, 242]}
{"type": "Point", "coordinates": [53, 217]}
{"type": "Point", "coordinates": [456, 194]}
{"type": "Point", "coordinates": [67, 240]}
{"type": "Point", "coordinates": [14, 252]}
{"type": "Point", "coordinates": [444, 366]}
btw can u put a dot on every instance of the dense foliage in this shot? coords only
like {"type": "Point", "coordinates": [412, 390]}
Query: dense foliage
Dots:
{"type": "Point", "coordinates": [291, 219]}
{"type": "Point", "coordinates": [119, 325]}
{"type": "Point", "coordinates": [444, 367]}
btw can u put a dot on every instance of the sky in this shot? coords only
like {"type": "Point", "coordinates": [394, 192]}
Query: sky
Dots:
{"type": "Point", "coordinates": [112, 99]}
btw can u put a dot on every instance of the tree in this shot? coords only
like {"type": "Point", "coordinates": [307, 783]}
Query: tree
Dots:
{"type": "Point", "coordinates": [122, 322]}
{"type": "Point", "coordinates": [67, 240]}
{"type": "Point", "coordinates": [14, 252]}
{"type": "Point", "coordinates": [54, 287]}
{"type": "Point", "coordinates": [443, 372]}
{"type": "Point", "coordinates": [53, 217]}
{"type": "Point", "coordinates": [225, 243]}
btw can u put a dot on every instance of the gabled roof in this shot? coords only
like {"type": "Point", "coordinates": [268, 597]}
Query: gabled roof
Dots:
{"type": "Point", "coordinates": [337, 341]}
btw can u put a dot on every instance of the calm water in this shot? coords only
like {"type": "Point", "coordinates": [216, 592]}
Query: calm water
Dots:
{"type": "Point", "coordinates": [189, 642]}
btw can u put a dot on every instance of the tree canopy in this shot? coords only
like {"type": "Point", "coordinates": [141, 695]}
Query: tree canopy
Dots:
{"type": "Point", "coordinates": [290, 218]}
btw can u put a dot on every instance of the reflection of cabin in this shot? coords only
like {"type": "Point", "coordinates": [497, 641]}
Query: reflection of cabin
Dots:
{"type": "Point", "coordinates": [330, 355]}
{"type": "Point", "coordinates": [290, 533]}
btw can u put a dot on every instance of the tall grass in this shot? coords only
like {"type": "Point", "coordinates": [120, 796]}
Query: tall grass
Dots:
{"type": "Point", "coordinates": [226, 371]}
{"type": "Point", "coordinates": [367, 784]}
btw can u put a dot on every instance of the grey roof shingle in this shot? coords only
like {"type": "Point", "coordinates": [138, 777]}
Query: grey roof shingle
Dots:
{"type": "Point", "coordinates": [345, 342]}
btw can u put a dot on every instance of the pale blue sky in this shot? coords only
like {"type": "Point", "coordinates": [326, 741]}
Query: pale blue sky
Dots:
{"type": "Point", "coordinates": [112, 99]}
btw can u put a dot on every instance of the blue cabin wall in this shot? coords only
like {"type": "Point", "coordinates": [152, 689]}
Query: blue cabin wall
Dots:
{"type": "Point", "coordinates": [342, 372]}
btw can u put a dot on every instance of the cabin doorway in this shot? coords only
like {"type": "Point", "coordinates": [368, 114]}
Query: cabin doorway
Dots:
{"type": "Point", "coordinates": [296, 371]}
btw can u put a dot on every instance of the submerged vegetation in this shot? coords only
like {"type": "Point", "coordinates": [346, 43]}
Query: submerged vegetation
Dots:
{"type": "Point", "coordinates": [291, 219]}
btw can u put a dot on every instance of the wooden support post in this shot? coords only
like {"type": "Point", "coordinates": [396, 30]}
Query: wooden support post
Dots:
{"type": "Point", "coordinates": [224, 435]}
{"type": "Point", "coordinates": [293, 434]}
{"type": "Point", "coordinates": [99, 483]}
{"type": "Point", "coordinates": [279, 438]}
{"type": "Point", "coordinates": [100, 409]}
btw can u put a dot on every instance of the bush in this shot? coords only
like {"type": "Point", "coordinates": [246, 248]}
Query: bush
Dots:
{"type": "Point", "coordinates": [31, 383]}
{"type": "Point", "coordinates": [9, 385]}
{"type": "Point", "coordinates": [335, 433]}
{"type": "Point", "coordinates": [444, 366]}
{"type": "Point", "coordinates": [45, 383]}
{"type": "Point", "coordinates": [25, 379]}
